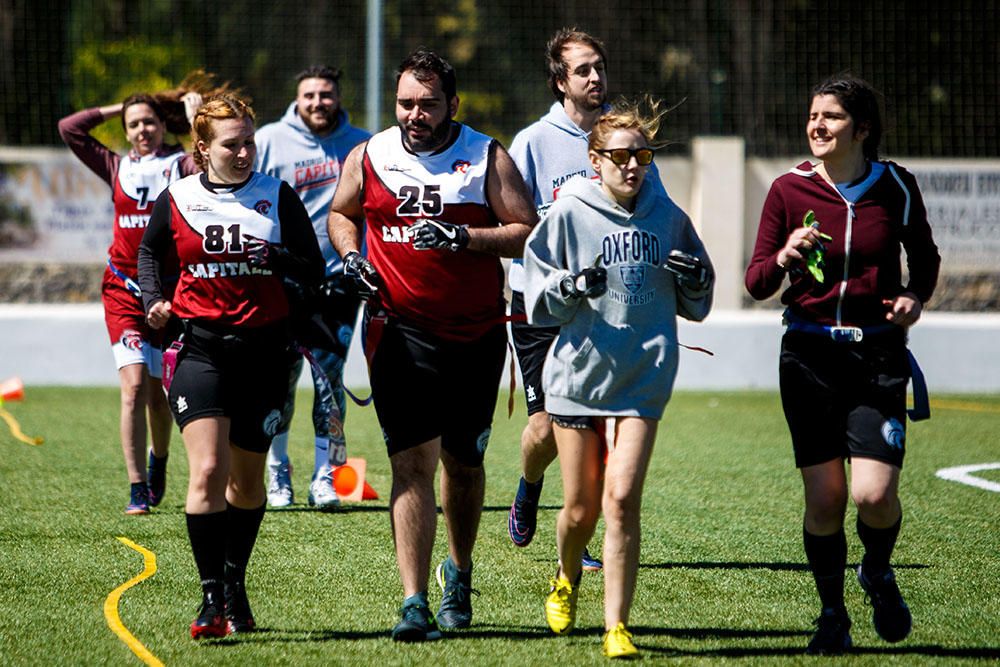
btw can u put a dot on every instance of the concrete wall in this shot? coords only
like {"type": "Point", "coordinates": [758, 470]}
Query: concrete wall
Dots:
{"type": "Point", "coordinates": [68, 345]}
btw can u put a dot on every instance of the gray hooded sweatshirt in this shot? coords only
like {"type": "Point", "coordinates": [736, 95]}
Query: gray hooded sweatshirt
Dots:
{"type": "Point", "coordinates": [615, 355]}
{"type": "Point", "coordinates": [288, 149]}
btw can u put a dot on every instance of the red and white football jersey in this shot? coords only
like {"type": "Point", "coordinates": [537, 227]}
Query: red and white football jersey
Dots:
{"type": "Point", "coordinates": [455, 295]}
{"type": "Point", "coordinates": [209, 230]}
{"type": "Point", "coordinates": [138, 183]}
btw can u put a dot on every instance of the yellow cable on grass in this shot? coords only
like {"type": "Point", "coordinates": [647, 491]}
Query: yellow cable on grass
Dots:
{"type": "Point", "coordinates": [111, 605]}
{"type": "Point", "coordinates": [15, 429]}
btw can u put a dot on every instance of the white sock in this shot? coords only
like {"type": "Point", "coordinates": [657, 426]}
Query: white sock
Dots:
{"type": "Point", "coordinates": [278, 453]}
{"type": "Point", "coordinates": [322, 457]}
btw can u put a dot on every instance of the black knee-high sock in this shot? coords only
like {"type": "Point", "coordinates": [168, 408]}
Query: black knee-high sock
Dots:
{"type": "Point", "coordinates": [207, 533]}
{"type": "Point", "coordinates": [827, 555]}
{"type": "Point", "coordinates": [878, 543]}
{"type": "Point", "coordinates": [243, 528]}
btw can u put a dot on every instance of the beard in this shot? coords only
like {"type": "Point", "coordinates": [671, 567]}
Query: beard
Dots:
{"type": "Point", "coordinates": [437, 137]}
{"type": "Point", "coordinates": [326, 123]}
{"type": "Point", "coordinates": [590, 102]}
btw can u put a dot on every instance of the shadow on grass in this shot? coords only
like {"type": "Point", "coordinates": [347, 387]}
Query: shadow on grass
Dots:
{"type": "Point", "coordinates": [522, 632]}
{"type": "Point", "coordinates": [930, 650]}
{"type": "Point", "coordinates": [758, 565]}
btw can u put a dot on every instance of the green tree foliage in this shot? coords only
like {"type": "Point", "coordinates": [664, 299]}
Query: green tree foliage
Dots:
{"type": "Point", "coordinates": [108, 72]}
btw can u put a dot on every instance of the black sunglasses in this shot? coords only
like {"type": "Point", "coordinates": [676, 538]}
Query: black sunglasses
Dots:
{"type": "Point", "coordinates": [621, 156]}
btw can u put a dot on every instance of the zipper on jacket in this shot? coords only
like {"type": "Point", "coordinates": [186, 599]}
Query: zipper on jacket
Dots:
{"type": "Point", "coordinates": [847, 258]}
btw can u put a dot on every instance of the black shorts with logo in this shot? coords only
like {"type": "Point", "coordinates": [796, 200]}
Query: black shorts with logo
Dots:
{"type": "Point", "coordinates": [425, 387]}
{"type": "Point", "coordinates": [239, 373]}
{"type": "Point", "coordinates": [843, 400]}
{"type": "Point", "coordinates": [532, 346]}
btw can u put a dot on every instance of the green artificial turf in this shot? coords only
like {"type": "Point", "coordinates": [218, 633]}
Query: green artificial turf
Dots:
{"type": "Point", "coordinates": [722, 575]}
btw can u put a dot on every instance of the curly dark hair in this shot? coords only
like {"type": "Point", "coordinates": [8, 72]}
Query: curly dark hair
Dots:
{"type": "Point", "coordinates": [424, 65]}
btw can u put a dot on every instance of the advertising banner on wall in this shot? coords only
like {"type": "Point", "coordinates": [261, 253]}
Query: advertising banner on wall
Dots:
{"type": "Point", "coordinates": [963, 205]}
{"type": "Point", "coordinates": [52, 208]}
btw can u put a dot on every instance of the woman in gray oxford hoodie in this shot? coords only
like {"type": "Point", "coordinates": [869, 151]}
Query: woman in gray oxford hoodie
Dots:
{"type": "Point", "coordinates": [603, 266]}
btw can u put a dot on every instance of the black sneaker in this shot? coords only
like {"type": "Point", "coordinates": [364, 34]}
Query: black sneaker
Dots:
{"type": "Point", "coordinates": [156, 472]}
{"type": "Point", "coordinates": [211, 621]}
{"type": "Point", "coordinates": [456, 603]}
{"type": "Point", "coordinates": [890, 614]}
{"type": "Point", "coordinates": [523, 517]}
{"type": "Point", "coordinates": [832, 633]}
{"type": "Point", "coordinates": [239, 618]}
{"type": "Point", "coordinates": [416, 624]}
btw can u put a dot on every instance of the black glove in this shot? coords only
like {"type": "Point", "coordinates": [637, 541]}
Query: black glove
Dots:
{"type": "Point", "coordinates": [264, 254]}
{"type": "Point", "coordinates": [688, 270]}
{"type": "Point", "coordinates": [591, 283]}
{"type": "Point", "coordinates": [362, 273]}
{"type": "Point", "coordinates": [429, 233]}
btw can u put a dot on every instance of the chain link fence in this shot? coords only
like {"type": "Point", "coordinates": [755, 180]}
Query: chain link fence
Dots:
{"type": "Point", "coordinates": [735, 67]}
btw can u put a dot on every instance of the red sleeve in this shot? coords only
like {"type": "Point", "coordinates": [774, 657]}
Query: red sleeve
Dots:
{"type": "Point", "coordinates": [764, 276]}
{"type": "Point", "coordinates": [75, 132]}
{"type": "Point", "coordinates": [188, 166]}
{"type": "Point", "coordinates": [923, 262]}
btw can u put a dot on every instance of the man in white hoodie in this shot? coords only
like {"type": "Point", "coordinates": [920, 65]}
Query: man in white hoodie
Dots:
{"type": "Point", "coordinates": [306, 149]}
{"type": "Point", "coordinates": [549, 153]}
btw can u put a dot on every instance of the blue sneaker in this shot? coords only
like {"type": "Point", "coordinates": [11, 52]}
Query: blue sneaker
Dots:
{"type": "Point", "coordinates": [456, 604]}
{"type": "Point", "coordinates": [138, 499]}
{"type": "Point", "coordinates": [524, 513]}
{"type": "Point", "coordinates": [591, 564]}
{"type": "Point", "coordinates": [156, 472]}
{"type": "Point", "coordinates": [417, 623]}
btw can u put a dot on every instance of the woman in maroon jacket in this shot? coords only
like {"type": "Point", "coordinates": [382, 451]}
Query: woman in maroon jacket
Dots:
{"type": "Point", "coordinates": [835, 228]}
{"type": "Point", "coordinates": [136, 180]}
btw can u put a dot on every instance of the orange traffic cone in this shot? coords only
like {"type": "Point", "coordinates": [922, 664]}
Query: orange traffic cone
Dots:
{"type": "Point", "coordinates": [349, 479]}
{"type": "Point", "coordinates": [11, 390]}
{"type": "Point", "coordinates": [368, 493]}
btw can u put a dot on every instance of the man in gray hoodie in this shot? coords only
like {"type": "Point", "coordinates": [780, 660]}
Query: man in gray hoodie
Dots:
{"type": "Point", "coordinates": [306, 149]}
{"type": "Point", "coordinates": [549, 153]}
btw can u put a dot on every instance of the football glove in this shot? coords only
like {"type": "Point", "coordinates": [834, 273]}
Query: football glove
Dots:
{"type": "Point", "coordinates": [592, 282]}
{"type": "Point", "coordinates": [429, 234]}
{"type": "Point", "coordinates": [362, 273]}
{"type": "Point", "coordinates": [688, 270]}
{"type": "Point", "coordinates": [264, 254]}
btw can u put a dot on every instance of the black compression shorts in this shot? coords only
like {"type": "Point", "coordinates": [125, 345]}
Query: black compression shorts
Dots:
{"type": "Point", "coordinates": [532, 346]}
{"type": "Point", "coordinates": [425, 387]}
{"type": "Point", "coordinates": [242, 375]}
{"type": "Point", "coordinates": [843, 400]}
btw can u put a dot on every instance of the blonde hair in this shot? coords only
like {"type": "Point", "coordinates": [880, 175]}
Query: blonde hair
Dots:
{"type": "Point", "coordinates": [644, 115]}
{"type": "Point", "coordinates": [221, 107]}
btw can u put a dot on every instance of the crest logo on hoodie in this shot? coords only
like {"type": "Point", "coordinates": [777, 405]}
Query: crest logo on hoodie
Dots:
{"type": "Point", "coordinates": [633, 277]}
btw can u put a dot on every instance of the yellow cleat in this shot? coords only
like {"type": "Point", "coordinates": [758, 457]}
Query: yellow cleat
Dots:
{"type": "Point", "coordinates": [618, 643]}
{"type": "Point", "coordinates": [560, 605]}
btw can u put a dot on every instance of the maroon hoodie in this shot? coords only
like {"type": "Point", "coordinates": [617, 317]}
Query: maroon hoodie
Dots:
{"type": "Point", "coordinates": [863, 259]}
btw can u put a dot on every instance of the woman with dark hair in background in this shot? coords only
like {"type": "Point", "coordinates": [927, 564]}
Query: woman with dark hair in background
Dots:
{"type": "Point", "coordinates": [136, 180]}
{"type": "Point", "coordinates": [232, 234]}
{"type": "Point", "coordinates": [836, 229]}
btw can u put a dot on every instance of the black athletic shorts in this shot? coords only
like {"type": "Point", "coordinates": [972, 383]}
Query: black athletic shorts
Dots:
{"type": "Point", "coordinates": [425, 386]}
{"type": "Point", "coordinates": [845, 399]}
{"type": "Point", "coordinates": [242, 375]}
{"type": "Point", "coordinates": [532, 346]}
